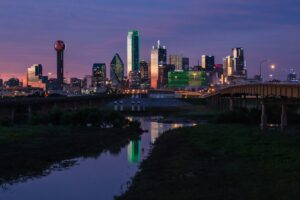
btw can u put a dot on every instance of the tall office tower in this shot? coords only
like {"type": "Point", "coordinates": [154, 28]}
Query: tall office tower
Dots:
{"type": "Point", "coordinates": [35, 76]}
{"type": "Point", "coordinates": [163, 73]}
{"type": "Point", "coordinates": [133, 51]}
{"type": "Point", "coordinates": [185, 64]}
{"type": "Point", "coordinates": [239, 62]}
{"type": "Point", "coordinates": [60, 46]}
{"type": "Point", "coordinates": [208, 63]}
{"type": "Point", "coordinates": [116, 70]}
{"type": "Point", "coordinates": [99, 74]}
{"type": "Point", "coordinates": [228, 66]}
{"type": "Point", "coordinates": [158, 58]}
{"type": "Point", "coordinates": [144, 71]}
{"type": "Point", "coordinates": [177, 61]}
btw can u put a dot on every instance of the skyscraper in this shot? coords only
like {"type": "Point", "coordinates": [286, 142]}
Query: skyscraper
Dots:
{"type": "Point", "coordinates": [228, 65]}
{"type": "Point", "coordinates": [239, 62]}
{"type": "Point", "coordinates": [177, 61]}
{"type": "Point", "coordinates": [116, 70]}
{"type": "Point", "coordinates": [158, 58]}
{"type": "Point", "coordinates": [133, 51]}
{"type": "Point", "coordinates": [60, 46]}
{"type": "Point", "coordinates": [163, 72]}
{"type": "Point", "coordinates": [99, 74]}
{"type": "Point", "coordinates": [144, 74]}
{"type": "Point", "coordinates": [185, 63]}
{"type": "Point", "coordinates": [208, 63]}
{"type": "Point", "coordinates": [35, 76]}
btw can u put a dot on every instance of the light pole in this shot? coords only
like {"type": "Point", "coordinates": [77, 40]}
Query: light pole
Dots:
{"type": "Point", "coordinates": [273, 67]}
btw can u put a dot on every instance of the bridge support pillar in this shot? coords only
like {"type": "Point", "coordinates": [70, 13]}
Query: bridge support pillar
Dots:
{"type": "Point", "coordinates": [13, 111]}
{"type": "Point", "coordinates": [230, 104]}
{"type": "Point", "coordinates": [29, 112]}
{"type": "Point", "coordinates": [283, 117]}
{"type": "Point", "coordinates": [133, 106]}
{"type": "Point", "coordinates": [121, 106]}
{"type": "Point", "coordinates": [263, 123]}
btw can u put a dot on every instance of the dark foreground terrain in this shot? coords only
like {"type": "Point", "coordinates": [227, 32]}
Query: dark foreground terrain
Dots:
{"type": "Point", "coordinates": [30, 151]}
{"type": "Point", "coordinates": [220, 162]}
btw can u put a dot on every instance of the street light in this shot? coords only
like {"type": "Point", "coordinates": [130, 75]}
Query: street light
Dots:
{"type": "Point", "coordinates": [273, 67]}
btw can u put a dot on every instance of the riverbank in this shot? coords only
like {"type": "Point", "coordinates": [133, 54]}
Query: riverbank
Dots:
{"type": "Point", "coordinates": [220, 162]}
{"type": "Point", "coordinates": [30, 151]}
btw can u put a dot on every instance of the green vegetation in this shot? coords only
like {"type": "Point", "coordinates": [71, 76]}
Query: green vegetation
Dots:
{"type": "Point", "coordinates": [28, 151]}
{"type": "Point", "coordinates": [220, 162]}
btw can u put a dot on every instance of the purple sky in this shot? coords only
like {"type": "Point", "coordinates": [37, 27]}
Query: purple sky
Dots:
{"type": "Point", "coordinates": [95, 30]}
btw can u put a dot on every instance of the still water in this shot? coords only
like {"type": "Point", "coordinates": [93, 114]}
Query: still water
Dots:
{"type": "Point", "coordinates": [92, 178]}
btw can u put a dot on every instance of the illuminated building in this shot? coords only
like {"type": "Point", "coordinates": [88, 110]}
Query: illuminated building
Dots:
{"type": "Point", "coordinates": [133, 51]}
{"type": "Point", "coordinates": [60, 46]}
{"type": "Point", "coordinates": [75, 82]}
{"type": "Point", "coordinates": [134, 151]}
{"type": "Point", "coordinates": [183, 79]}
{"type": "Point", "coordinates": [145, 83]}
{"type": "Point", "coordinates": [35, 77]}
{"type": "Point", "coordinates": [12, 82]}
{"type": "Point", "coordinates": [228, 65]}
{"type": "Point", "coordinates": [135, 80]}
{"type": "Point", "coordinates": [208, 63]}
{"type": "Point", "coordinates": [163, 72]}
{"type": "Point", "coordinates": [239, 66]}
{"type": "Point", "coordinates": [177, 61]}
{"type": "Point", "coordinates": [116, 70]}
{"type": "Point", "coordinates": [99, 74]}
{"type": "Point", "coordinates": [158, 58]}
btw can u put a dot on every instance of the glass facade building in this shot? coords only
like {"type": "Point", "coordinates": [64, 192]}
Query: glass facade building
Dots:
{"type": "Point", "coordinates": [239, 62]}
{"type": "Point", "coordinates": [208, 63]}
{"type": "Point", "coordinates": [145, 83]}
{"type": "Point", "coordinates": [35, 76]}
{"type": "Point", "coordinates": [133, 51]}
{"type": "Point", "coordinates": [99, 74]}
{"type": "Point", "coordinates": [116, 70]}
{"type": "Point", "coordinates": [158, 58]}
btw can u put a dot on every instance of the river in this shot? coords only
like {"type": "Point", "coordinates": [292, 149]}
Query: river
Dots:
{"type": "Point", "coordinates": [92, 178]}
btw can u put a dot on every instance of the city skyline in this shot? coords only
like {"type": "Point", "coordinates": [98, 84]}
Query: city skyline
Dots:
{"type": "Point", "coordinates": [214, 29]}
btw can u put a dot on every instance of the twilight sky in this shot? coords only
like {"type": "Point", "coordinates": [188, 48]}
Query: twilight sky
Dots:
{"type": "Point", "coordinates": [95, 30]}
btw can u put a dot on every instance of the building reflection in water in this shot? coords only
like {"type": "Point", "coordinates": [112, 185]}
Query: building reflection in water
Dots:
{"type": "Point", "coordinates": [134, 151]}
{"type": "Point", "coordinates": [155, 129]}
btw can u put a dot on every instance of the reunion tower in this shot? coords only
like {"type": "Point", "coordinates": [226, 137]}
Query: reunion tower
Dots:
{"type": "Point", "coordinates": [60, 46]}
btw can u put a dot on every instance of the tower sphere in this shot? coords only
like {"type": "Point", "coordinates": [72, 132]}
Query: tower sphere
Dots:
{"type": "Point", "coordinates": [59, 45]}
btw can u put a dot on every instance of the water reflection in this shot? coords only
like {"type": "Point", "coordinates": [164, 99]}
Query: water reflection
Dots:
{"type": "Point", "coordinates": [93, 178]}
{"type": "Point", "coordinates": [134, 151]}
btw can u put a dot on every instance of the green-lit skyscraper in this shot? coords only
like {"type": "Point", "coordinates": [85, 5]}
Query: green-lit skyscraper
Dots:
{"type": "Point", "coordinates": [133, 51]}
{"type": "Point", "coordinates": [116, 70]}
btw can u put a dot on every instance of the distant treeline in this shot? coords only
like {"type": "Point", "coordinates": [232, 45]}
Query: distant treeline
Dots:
{"type": "Point", "coordinates": [93, 117]}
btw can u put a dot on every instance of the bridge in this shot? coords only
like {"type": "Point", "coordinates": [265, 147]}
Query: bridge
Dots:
{"type": "Point", "coordinates": [266, 93]}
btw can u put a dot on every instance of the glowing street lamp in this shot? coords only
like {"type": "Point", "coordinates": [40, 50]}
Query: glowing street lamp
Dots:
{"type": "Point", "coordinates": [273, 67]}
